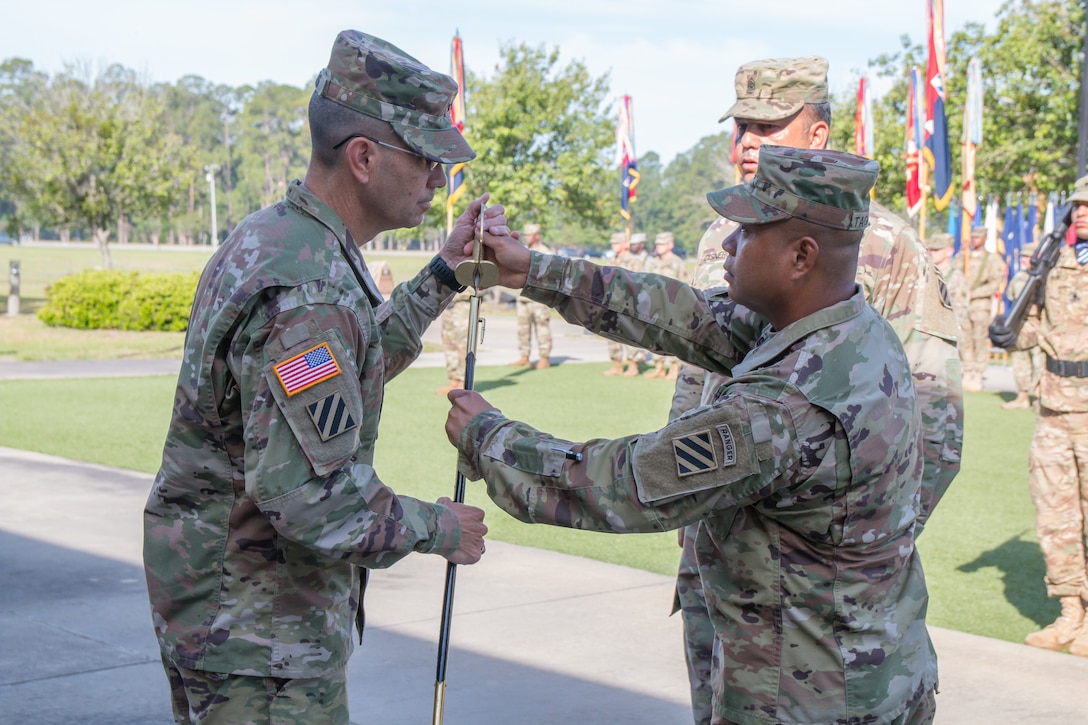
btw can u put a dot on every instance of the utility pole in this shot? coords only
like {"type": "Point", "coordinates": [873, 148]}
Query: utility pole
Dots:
{"type": "Point", "coordinates": [210, 176]}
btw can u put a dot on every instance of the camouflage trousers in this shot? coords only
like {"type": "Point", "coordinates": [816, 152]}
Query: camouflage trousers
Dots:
{"type": "Point", "coordinates": [534, 315]}
{"type": "Point", "coordinates": [1027, 366]}
{"type": "Point", "coordinates": [975, 345]}
{"type": "Point", "coordinates": [1058, 483]}
{"type": "Point", "coordinates": [698, 629]}
{"type": "Point", "coordinates": [212, 698]}
{"type": "Point", "coordinates": [625, 353]}
{"type": "Point", "coordinates": [455, 338]}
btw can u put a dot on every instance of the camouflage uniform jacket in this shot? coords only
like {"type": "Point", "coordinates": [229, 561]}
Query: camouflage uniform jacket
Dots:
{"type": "Point", "coordinates": [979, 275]}
{"type": "Point", "coordinates": [266, 503]}
{"type": "Point", "coordinates": [902, 283]}
{"type": "Point", "coordinates": [1060, 329]}
{"type": "Point", "coordinates": [804, 471]}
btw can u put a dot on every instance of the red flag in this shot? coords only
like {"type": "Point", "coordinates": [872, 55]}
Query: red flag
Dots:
{"type": "Point", "coordinates": [914, 143]}
{"type": "Point", "coordinates": [863, 122]}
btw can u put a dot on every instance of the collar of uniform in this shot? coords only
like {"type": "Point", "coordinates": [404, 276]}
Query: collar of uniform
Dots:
{"type": "Point", "coordinates": [785, 338]}
{"type": "Point", "coordinates": [305, 201]}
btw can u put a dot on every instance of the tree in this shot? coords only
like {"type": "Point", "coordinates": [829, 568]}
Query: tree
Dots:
{"type": "Point", "coordinates": [543, 137]}
{"type": "Point", "coordinates": [1031, 75]}
{"type": "Point", "coordinates": [274, 136]}
{"type": "Point", "coordinates": [18, 81]}
{"type": "Point", "coordinates": [90, 153]}
{"type": "Point", "coordinates": [688, 178]}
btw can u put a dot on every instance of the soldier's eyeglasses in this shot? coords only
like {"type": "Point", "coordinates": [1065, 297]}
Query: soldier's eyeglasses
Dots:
{"type": "Point", "coordinates": [431, 165]}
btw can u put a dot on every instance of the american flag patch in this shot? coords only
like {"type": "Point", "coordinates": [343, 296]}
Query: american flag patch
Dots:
{"type": "Point", "coordinates": [307, 369]}
{"type": "Point", "coordinates": [694, 454]}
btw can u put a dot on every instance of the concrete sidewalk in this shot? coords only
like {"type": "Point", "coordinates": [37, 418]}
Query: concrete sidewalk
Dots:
{"type": "Point", "coordinates": [538, 638]}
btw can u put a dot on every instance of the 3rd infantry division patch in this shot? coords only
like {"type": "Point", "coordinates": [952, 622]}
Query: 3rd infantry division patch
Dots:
{"type": "Point", "coordinates": [694, 454]}
{"type": "Point", "coordinates": [331, 416]}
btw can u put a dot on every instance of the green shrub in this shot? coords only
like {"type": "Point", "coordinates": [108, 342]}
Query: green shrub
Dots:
{"type": "Point", "coordinates": [104, 299]}
{"type": "Point", "coordinates": [159, 302]}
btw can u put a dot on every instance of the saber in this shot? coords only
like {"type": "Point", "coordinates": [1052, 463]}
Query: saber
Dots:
{"type": "Point", "coordinates": [475, 273]}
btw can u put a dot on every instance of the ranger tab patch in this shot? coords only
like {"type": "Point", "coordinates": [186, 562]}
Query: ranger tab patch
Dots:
{"type": "Point", "coordinates": [331, 416]}
{"type": "Point", "coordinates": [694, 454]}
{"type": "Point", "coordinates": [307, 369]}
{"type": "Point", "coordinates": [729, 457]}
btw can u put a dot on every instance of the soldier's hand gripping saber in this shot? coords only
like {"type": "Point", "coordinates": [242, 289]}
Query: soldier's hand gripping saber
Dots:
{"type": "Point", "coordinates": [476, 273]}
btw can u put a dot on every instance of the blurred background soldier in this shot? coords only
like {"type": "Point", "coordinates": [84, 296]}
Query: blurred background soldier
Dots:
{"type": "Point", "coordinates": [636, 260]}
{"type": "Point", "coordinates": [975, 296]}
{"type": "Point", "coordinates": [533, 315]}
{"type": "Point", "coordinates": [455, 340]}
{"type": "Point", "coordinates": [941, 247]}
{"type": "Point", "coordinates": [617, 351]}
{"type": "Point", "coordinates": [1026, 364]}
{"type": "Point", "coordinates": [1058, 468]}
{"type": "Point", "coordinates": [667, 262]}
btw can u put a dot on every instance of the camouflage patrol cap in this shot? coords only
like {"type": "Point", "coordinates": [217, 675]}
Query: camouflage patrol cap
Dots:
{"type": "Point", "coordinates": [618, 238]}
{"type": "Point", "coordinates": [532, 229]}
{"type": "Point", "coordinates": [770, 90]}
{"type": "Point", "coordinates": [1080, 191]}
{"type": "Point", "coordinates": [829, 188]}
{"type": "Point", "coordinates": [638, 238]}
{"type": "Point", "coordinates": [940, 240]}
{"type": "Point", "coordinates": [663, 238]}
{"type": "Point", "coordinates": [378, 79]}
{"type": "Point", "coordinates": [1028, 249]}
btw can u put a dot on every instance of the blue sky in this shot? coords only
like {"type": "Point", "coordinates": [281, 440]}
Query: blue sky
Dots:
{"type": "Point", "coordinates": [677, 59]}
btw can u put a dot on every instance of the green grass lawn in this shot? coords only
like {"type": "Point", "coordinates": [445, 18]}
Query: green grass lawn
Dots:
{"type": "Point", "coordinates": [979, 550]}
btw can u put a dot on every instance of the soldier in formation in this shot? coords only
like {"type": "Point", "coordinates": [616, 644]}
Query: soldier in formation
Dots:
{"type": "Point", "coordinates": [533, 316]}
{"type": "Point", "coordinates": [1027, 365]}
{"type": "Point", "coordinates": [667, 262]}
{"type": "Point", "coordinates": [624, 357]}
{"type": "Point", "coordinates": [941, 247]}
{"type": "Point", "coordinates": [455, 340]}
{"type": "Point", "coordinates": [976, 282]}
{"type": "Point", "coordinates": [1058, 467]}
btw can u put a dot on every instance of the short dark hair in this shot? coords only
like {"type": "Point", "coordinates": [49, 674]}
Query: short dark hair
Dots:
{"type": "Point", "coordinates": [815, 112]}
{"type": "Point", "coordinates": [331, 123]}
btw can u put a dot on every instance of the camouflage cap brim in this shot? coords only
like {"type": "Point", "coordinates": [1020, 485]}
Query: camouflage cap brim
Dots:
{"type": "Point", "coordinates": [828, 188]}
{"type": "Point", "coordinates": [446, 145]}
{"type": "Point", "coordinates": [751, 109]}
{"type": "Point", "coordinates": [739, 204]}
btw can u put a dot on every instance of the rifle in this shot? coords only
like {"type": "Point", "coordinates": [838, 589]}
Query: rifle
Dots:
{"type": "Point", "coordinates": [1006, 328]}
{"type": "Point", "coordinates": [475, 273]}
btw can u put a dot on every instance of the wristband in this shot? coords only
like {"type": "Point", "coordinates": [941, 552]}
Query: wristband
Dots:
{"type": "Point", "coordinates": [445, 275]}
